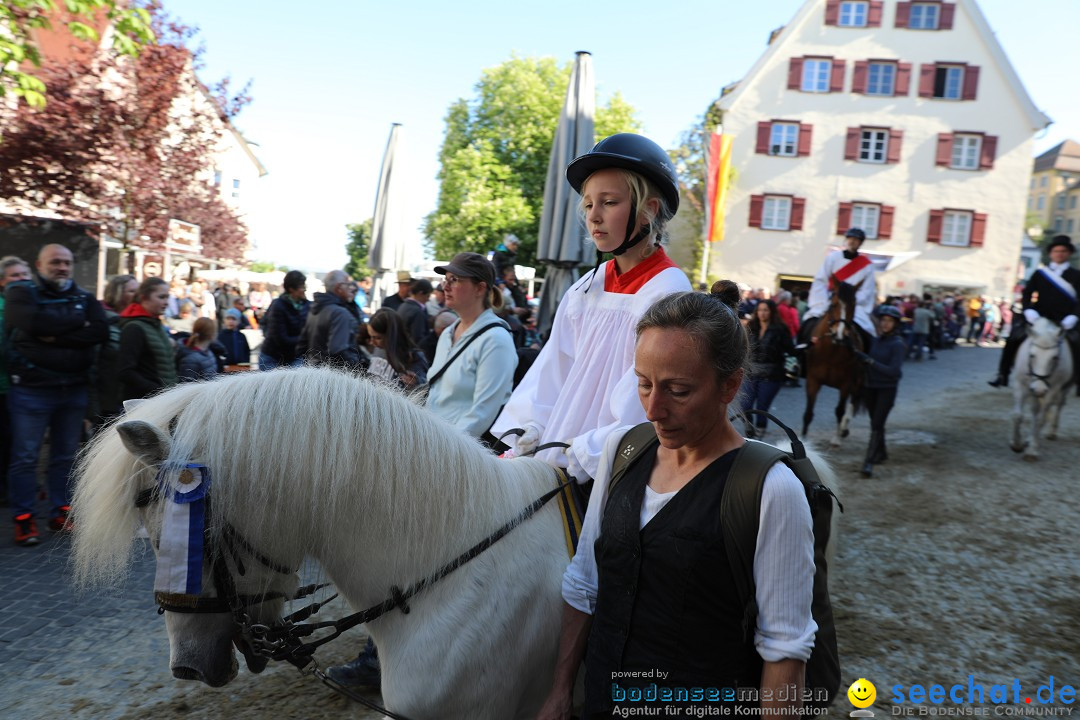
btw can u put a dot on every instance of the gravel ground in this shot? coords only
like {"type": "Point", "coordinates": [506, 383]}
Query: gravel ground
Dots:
{"type": "Point", "coordinates": [957, 558]}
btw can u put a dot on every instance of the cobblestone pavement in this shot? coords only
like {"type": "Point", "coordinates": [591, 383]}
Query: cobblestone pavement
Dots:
{"type": "Point", "coordinates": [105, 654]}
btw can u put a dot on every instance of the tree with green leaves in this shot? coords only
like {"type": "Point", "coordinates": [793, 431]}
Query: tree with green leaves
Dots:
{"type": "Point", "coordinates": [21, 19]}
{"type": "Point", "coordinates": [494, 157]}
{"type": "Point", "coordinates": [358, 248]}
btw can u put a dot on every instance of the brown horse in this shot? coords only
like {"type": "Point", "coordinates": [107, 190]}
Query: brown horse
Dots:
{"type": "Point", "coordinates": [831, 358]}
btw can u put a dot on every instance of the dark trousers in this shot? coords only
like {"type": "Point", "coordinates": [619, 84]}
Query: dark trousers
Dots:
{"type": "Point", "coordinates": [5, 447]}
{"type": "Point", "coordinates": [60, 410]}
{"type": "Point", "coordinates": [758, 394]}
{"type": "Point", "coordinates": [879, 403]}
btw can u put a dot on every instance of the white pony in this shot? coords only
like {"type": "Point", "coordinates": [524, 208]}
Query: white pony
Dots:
{"type": "Point", "coordinates": [313, 462]}
{"type": "Point", "coordinates": [1044, 372]}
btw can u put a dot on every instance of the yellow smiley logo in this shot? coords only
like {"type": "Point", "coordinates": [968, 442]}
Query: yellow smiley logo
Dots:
{"type": "Point", "coordinates": [862, 693]}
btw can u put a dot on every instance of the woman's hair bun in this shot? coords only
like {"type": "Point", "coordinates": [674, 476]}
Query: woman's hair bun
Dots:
{"type": "Point", "coordinates": [727, 291]}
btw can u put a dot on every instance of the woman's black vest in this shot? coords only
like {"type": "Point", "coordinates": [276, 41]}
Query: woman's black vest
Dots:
{"type": "Point", "coordinates": [666, 598]}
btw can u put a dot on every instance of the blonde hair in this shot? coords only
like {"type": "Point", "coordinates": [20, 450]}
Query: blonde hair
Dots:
{"type": "Point", "coordinates": [641, 192]}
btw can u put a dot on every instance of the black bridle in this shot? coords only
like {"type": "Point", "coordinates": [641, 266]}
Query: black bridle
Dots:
{"type": "Point", "coordinates": [286, 638]}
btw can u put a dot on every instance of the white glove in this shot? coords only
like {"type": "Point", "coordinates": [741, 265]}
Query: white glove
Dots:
{"type": "Point", "coordinates": [1031, 315]}
{"type": "Point", "coordinates": [1069, 322]}
{"type": "Point", "coordinates": [528, 440]}
{"type": "Point", "coordinates": [573, 467]}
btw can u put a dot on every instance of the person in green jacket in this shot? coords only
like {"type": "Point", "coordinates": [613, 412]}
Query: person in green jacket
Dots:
{"type": "Point", "coordinates": [146, 362]}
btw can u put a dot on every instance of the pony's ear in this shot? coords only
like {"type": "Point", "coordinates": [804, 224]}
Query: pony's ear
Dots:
{"type": "Point", "coordinates": [144, 441]}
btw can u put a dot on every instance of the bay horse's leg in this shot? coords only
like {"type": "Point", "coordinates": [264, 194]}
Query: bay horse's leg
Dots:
{"type": "Point", "coordinates": [841, 428]}
{"type": "Point", "coordinates": [812, 387]}
{"type": "Point", "coordinates": [849, 412]}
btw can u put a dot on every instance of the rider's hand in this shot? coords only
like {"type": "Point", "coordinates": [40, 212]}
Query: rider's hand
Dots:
{"type": "Point", "coordinates": [1031, 315]}
{"type": "Point", "coordinates": [528, 440]}
{"type": "Point", "coordinates": [1069, 322]}
{"type": "Point", "coordinates": [574, 468]}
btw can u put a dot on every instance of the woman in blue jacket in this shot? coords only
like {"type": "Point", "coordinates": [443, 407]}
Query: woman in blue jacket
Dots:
{"type": "Point", "coordinates": [883, 374]}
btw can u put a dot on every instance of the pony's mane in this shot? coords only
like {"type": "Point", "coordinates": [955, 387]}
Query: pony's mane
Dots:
{"type": "Point", "coordinates": [328, 447]}
{"type": "Point", "coordinates": [845, 292]}
{"type": "Point", "coordinates": [1044, 333]}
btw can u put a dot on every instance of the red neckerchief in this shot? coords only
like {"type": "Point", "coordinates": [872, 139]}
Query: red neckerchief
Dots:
{"type": "Point", "coordinates": [635, 278]}
{"type": "Point", "coordinates": [135, 310]}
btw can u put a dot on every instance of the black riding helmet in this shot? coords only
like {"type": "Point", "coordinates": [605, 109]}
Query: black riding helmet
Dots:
{"type": "Point", "coordinates": [629, 152]}
{"type": "Point", "coordinates": [856, 233]}
{"type": "Point", "coordinates": [889, 311]}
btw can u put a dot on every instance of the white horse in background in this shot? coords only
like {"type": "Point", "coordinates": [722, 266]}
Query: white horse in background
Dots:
{"type": "Point", "coordinates": [313, 462]}
{"type": "Point", "coordinates": [1044, 373]}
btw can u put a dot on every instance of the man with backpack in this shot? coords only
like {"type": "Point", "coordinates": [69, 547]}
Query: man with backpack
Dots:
{"type": "Point", "coordinates": [52, 326]}
{"type": "Point", "coordinates": [699, 577]}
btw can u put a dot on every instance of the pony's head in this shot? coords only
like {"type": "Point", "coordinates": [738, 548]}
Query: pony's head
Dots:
{"type": "Point", "coordinates": [1045, 347]}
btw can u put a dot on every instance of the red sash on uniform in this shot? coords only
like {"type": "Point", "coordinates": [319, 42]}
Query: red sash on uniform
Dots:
{"type": "Point", "coordinates": [853, 266]}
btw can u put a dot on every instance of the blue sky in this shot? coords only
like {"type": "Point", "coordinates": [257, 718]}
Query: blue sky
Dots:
{"type": "Point", "coordinates": [331, 77]}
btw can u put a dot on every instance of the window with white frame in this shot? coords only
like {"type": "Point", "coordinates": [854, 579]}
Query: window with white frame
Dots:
{"type": "Point", "coordinates": [873, 145]}
{"type": "Point", "coordinates": [865, 217]}
{"type": "Point", "coordinates": [1069, 225]}
{"type": "Point", "coordinates": [949, 82]}
{"type": "Point", "coordinates": [1061, 202]}
{"type": "Point", "coordinates": [784, 139]}
{"type": "Point", "coordinates": [924, 16]}
{"type": "Point", "coordinates": [1059, 224]}
{"type": "Point", "coordinates": [776, 213]}
{"type": "Point", "coordinates": [853, 14]}
{"type": "Point", "coordinates": [881, 78]}
{"type": "Point", "coordinates": [956, 228]}
{"type": "Point", "coordinates": [1042, 181]}
{"type": "Point", "coordinates": [965, 152]}
{"type": "Point", "coordinates": [1042, 202]}
{"type": "Point", "coordinates": [1072, 202]}
{"type": "Point", "coordinates": [815, 75]}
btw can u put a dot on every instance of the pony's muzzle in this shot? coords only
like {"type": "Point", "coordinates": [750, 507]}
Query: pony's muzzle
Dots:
{"type": "Point", "coordinates": [183, 672]}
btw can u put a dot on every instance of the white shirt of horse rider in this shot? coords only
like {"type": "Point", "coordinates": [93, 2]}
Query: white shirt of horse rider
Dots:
{"type": "Point", "coordinates": [865, 297]}
{"type": "Point", "coordinates": [785, 626]}
{"type": "Point", "coordinates": [582, 384]}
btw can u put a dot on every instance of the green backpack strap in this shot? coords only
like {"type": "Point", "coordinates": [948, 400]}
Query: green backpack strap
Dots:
{"type": "Point", "coordinates": [637, 440]}
{"type": "Point", "coordinates": [740, 511]}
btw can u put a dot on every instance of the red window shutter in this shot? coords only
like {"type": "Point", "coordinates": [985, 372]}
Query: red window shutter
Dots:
{"type": "Point", "coordinates": [944, 150]}
{"type": "Point", "coordinates": [884, 226]}
{"type": "Point", "coordinates": [873, 16]}
{"type": "Point", "coordinates": [851, 143]}
{"type": "Point", "coordinates": [843, 218]}
{"type": "Point", "coordinates": [978, 229]}
{"type": "Point", "coordinates": [926, 80]}
{"type": "Point", "coordinates": [989, 152]}
{"type": "Point", "coordinates": [933, 232]}
{"type": "Point", "coordinates": [832, 12]}
{"type": "Point", "coordinates": [946, 15]}
{"type": "Point", "coordinates": [798, 210]}
{"type": "Point", "coordinates": [836, 83]}
{"type": "Point", "coordinates": [805, 134]}
{"type": "Point", "coordinates": [903, 14]}
{"type": "Point", "coordinates": [858, 78]}
{"type": "Point", "coordinates": [794, 73]}
{"type": "Point", "coordinates": [764, 131]}
{"type": "Point", "coordinates": [896, 137]}
{"type": "Point", "coordinates": [903, 79]}
{"type": "Point", "coordinates": [757, 207]}
{"type": "Point", "coordinates": [971, 81]}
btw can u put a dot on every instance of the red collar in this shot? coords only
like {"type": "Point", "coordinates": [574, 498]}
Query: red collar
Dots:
{"type": "Point", "coordinates": [634, 279]}
{"type": "Point", "coordinates": [135, 310]}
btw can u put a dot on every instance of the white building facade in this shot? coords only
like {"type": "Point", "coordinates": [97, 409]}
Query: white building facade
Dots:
{"type": "Point", "coordinates": [902, 118]}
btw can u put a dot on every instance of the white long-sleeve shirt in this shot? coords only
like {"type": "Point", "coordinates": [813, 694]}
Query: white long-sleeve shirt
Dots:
{"type": "Point", "coordinates": [783, 560]}
{"type": "Point", "coordinates": [865, 296]}
{"type": "Point", "coordinates": [582, 384]}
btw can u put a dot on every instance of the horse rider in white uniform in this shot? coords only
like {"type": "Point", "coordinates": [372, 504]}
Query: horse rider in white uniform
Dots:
{"type": "Point", "coordinates": [853, 268]}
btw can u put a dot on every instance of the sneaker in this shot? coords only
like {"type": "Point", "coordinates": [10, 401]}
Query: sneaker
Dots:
{"type": "Point", "coordinates": [61, 523]}
{"type": "Point", "coordinates": [26, 530]}
{"type": "Point", "coordinates": [999, 381]}
{"type": "Point", "coordinates": [360, 672]}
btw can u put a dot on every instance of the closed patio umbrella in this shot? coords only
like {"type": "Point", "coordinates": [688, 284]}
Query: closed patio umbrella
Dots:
{"type": "Point", "coordinates": [561, 245]}
{"type": "Point", "coordinates": [389, 247]}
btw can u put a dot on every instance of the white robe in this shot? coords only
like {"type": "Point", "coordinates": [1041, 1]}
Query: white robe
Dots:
{"type": "Point", "coordinates": [582, 385]}
{"type": "Point", "coordinates": [865, 297]}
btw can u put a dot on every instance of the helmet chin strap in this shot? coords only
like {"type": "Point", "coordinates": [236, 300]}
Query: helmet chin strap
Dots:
{"type": "Point", "coordinates": [631, 240]}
